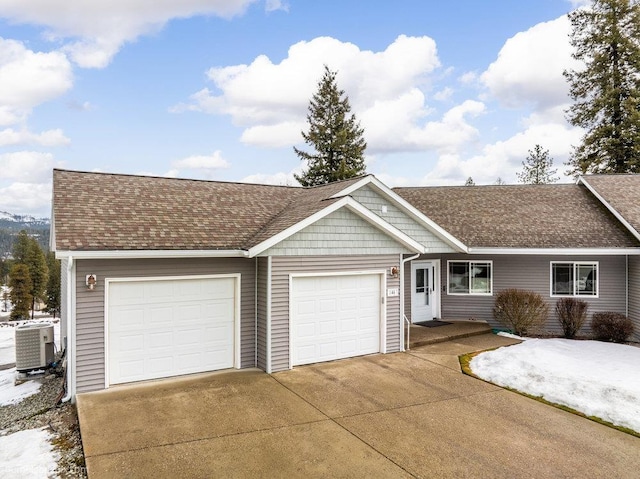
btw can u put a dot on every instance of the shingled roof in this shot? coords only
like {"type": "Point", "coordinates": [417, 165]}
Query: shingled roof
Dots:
{"type": "Point", "coordinates": [621, 192]}
{"type": "Point", "coordinates": [521, 216]}
{"type": "Point", "coordinates": [98, 211]}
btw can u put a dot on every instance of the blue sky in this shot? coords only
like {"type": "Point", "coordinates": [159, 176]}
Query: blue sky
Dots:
{"type": "Point", "coordinates": [218, 89]}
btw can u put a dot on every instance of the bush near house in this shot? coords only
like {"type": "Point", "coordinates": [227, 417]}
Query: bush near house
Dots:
{"type": "Point", "coordinates": [521, 311]}
{"type": "Point", "coordinates": [610, 326]}
{"type": "Point", "coordinates": [572, 313]}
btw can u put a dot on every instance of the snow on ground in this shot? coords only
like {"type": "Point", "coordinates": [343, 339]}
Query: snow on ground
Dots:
{"type": "Point", "coordinates": [12, 394]}
{"type": "Point", "coordinates": [27, 454]}
{"type": "Point", "coordinates": [596, 378]}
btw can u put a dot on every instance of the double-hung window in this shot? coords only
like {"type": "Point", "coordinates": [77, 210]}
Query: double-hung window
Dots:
{"type": "Point", "coordinates": [574, 278]}
{"type": "Point", "coordinates": [469, 277]}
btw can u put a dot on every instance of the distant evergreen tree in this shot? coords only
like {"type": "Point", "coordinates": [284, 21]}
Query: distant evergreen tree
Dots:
{"type": "Point", "coordinates": [21, 247]}
{"type": "Point", "coordinates": [337, 138]}
{"type": "Point", "coordinates": [20, 295]}
{"type": "Point", "coordinates": [606, 92]}
{"type": "Point", "coordinates": [537, 168]}
{"type": "Point", "coordinates": [38, 272]}
{"type": "Point", "coordinates": [469, 182]}
{"type": "Point", "coordinates": [53, 285]}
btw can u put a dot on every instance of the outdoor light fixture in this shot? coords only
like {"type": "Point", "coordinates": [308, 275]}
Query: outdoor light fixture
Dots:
{"type": "Point", "coordinates": [394, 272]}
{"type": "Point", "coordinates": [91, 281]}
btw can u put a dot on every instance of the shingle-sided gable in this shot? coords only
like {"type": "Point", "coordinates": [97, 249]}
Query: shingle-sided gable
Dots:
{"type": "Point", "coordinates": [620, 193]}
{"type": "Point", "coordinates": [521, 216]}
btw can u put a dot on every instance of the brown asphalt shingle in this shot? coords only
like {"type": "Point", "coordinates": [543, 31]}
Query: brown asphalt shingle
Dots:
{"type": "Point", "coordinates": [521, 216]}
{"type": "Point", "coordinates": [98, 211]}
{"type": "Point", "coordinates": [622, 192]}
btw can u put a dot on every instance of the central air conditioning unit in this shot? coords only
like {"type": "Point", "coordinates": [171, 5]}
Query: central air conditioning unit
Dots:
{"type": "Point", "coordinates": [34, 346]}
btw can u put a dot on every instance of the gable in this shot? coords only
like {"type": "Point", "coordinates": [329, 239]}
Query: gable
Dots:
{"type": "Point", "coordinates": [392, 214]}
{"type": "Point", "coordinates": [341, 232]}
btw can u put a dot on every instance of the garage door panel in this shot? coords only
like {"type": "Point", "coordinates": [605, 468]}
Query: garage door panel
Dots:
{"type": "Point", "coordinates": [335, 317]}
{"type": "Point", "coordinates": [162, 328]}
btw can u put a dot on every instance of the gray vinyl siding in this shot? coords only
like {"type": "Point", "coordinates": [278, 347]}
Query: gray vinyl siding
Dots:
{"type": "Point", "coordinates": [64, 307]}
{"type": "Point", "coordinates": [341, 232]}
{"type": "Point", "coordinates": [262, 299]}
{"type": "Point", "coordinates": [283, 266]}
{"type": "Point", "coordinates": [532, 273]}
{"type": "Point", "coordinates": [90, 354]}
{"type": "Point", "coordinates": [634, 294]}
{"type": "Point", "coordinates": [368, 197]}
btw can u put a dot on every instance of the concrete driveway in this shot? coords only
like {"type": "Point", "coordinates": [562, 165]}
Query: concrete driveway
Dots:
{"type": "Point", "coordinates": [398, 415]}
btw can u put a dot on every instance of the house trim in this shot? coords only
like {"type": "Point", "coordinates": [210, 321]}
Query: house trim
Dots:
{"type": "Point", "coordinates": [557, 251]}
{"type": "Point", "coordinates": [615, 212]}
{"type": "Point", "coordinates": [353, 206]}
{"type": "Point", "coordinates": [268, 319]}
{"type": "Point", "coordinates": [152, 254]}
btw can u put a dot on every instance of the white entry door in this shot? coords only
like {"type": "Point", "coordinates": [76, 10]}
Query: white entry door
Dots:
{"type": "Point", "coordinates": [335, 317]}
{"type": "Point", "coordinates": [425, 291]}
{"type": "Point", "coordinates": [165, 327]}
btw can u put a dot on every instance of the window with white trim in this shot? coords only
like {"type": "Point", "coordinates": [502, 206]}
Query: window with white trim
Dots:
{"type": "Point", "coordinates": [574, 278]}
{"type": "Point", "coordinates": [469, 277]}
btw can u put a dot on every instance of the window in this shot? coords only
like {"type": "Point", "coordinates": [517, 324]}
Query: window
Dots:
{"type": "Point", "coordinates": [574, 279]}
{"type": "Point", "coordinates": [469, 277]}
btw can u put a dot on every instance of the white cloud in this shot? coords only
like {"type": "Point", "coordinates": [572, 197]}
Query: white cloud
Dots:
{"type": "Point", "coordinates": [203, 165]}
{"type": "Point", "coordinates": [528, 70]}
{"type": "Point", "coordinates": [26, 198]}
{"type": "Point", "coordinates": [11, 137]}
{"type": "Point", "coordinates": [273, 5]}
{"type": "Point", "coordinates": [29, 78]}
{"type": "Point", "coordinates": [386, 90]}
{"type": "Point", "coordinates": [26, 166]}
{"type": "Point", "coordinates": [97, 29]}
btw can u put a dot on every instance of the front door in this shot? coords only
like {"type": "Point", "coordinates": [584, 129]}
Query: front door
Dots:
{"type": "Point", "coordinates": [425, 291]}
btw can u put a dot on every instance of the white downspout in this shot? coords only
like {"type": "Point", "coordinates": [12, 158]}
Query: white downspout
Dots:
{"type": "Point", "coordinates": [403, 318]}
{"type": "Point", "coordinates": [71, 322]}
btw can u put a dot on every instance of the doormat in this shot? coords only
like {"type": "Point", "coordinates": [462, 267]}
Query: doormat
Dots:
{"type": "Point", "coordinates": [432, 324]}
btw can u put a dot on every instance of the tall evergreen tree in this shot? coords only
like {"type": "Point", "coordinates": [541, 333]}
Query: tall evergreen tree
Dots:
{"type": "Point", "coordinates": [21, 247]}
{"type": "Point", "coordinates": [537, 168]}
{"type": "Point", "coordinates": [53, 285]}
{"type": "Point", "coordinates": [38, 272]}
{"type": "Point", "coordinates": [20, 296]}
{"type": "Point", "coordinates": [336, 137]}
{"type": "Point", "coordinates": [606, 93]}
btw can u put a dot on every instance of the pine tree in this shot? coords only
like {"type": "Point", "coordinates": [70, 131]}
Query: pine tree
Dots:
{"type": "Point", "coordinates": [21, 247]}
{"type": "Point", "coordinates": [20, 296]}
{"type": "Point", "coordinates": [336, 137]}
{"type": "Point", "coordinates": [537, 168]}
{"type": "Point", "coordinates": [606, 93]}
{"type": "Point", "coordinates": [38, 272]}
{"type": "Point", "coordinates": [53, 285]}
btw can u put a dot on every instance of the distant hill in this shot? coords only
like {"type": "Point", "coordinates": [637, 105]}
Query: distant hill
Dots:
{"type": "Point", "coordinates": [8, 220]}
{"type": "Point", "coordinates": [11, 225]}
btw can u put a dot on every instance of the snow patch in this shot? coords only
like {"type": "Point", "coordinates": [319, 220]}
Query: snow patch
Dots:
{"type": "Point", "coordinates": [12, 394]}
{"type": "Point", "coordinates": [596, 378]}
{"type": "Point", "coordinates": [27, 454]}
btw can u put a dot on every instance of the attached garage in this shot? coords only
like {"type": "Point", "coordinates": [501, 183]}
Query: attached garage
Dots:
{"type": "Point", "coordinates": [163, 327]}
{"type": "Point", "coordinates": [335, 316]}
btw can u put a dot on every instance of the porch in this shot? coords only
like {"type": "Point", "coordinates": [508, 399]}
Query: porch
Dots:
{"type": "Point", "coordinates": [437, 332]}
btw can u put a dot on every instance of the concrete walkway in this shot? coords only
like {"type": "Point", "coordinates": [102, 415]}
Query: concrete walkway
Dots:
{"type": "Point", "coordinates": [397, 415]}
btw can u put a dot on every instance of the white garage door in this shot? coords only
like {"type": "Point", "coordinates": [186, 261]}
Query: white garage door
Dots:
{"type": "Point", "coordinates": [335, 317]}
{"type": "Point", "coordinates": [166, 327]}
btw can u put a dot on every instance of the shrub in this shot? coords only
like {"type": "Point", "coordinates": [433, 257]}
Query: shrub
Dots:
{"type": "Point", "coordinates": [609, 326]}
{"type": "Point", "coordinates": [572, 314]}
{"type": "Point", "coordinates": [521, 311]}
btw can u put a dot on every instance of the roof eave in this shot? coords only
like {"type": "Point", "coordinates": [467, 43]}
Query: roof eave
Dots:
{"type": "Point", "coordinates": [556, 251]}
{"type": "Point", "coordinates": [607, 205]}
{"type": "Point", "coordinates": [148, 254]}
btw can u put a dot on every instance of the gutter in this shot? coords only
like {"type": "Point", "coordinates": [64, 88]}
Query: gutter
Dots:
{"type": "Point", "coordinates": [70, 355]}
